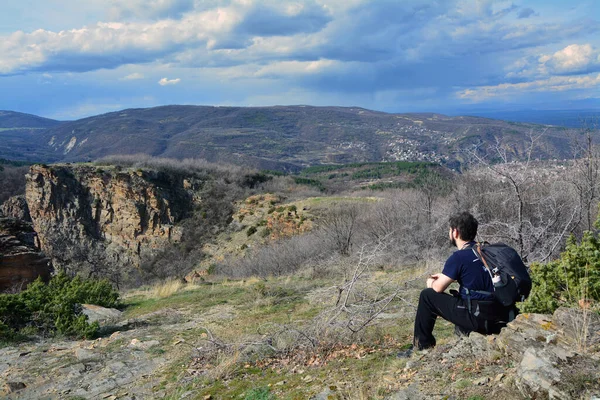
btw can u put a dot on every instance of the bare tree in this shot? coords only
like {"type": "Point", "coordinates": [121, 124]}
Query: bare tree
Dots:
{"type": "Point", "coordinates": [586, 173]}
{"type": "Point", "coordinates": [339, 225]}
{"type": "Point", "coordinates": [531, 207]}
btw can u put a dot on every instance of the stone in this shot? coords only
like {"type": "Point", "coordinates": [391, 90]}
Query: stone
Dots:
{"type": "Point", "coordinates": [84, 354]}
{"type": "Point", "coordinates": [136, 343]}
{"type": "Point", "coordinates": [537, 372]}
{"type": "Point", "coordinates": [481, 381]}
{"type": "Point", "coordinates": [100, 314]}
{"type": "Point", "coordinates": [326, 394]}
{"type": "Point", "coordinates": [410, 393]}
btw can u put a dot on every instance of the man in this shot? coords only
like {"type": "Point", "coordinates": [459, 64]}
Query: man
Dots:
{"type": "Point", "coordinates": [469, 309]}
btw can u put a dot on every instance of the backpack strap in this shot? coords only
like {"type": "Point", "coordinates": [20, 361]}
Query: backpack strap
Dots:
{"type": "Point", "coordinates": [477, 250]}
{"type": "Point", "coordinates": [479, 254]}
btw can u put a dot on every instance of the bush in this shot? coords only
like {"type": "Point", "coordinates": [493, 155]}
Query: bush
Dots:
{"type": "Point", "coordinates": [251, 231]}
{"type": "Point", "coordinates": [55, 307]}
{"type": "Point", "coordinates": [563, 282]}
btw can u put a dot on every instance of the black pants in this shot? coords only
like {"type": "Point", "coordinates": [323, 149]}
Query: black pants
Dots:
{"type": "Point", "coordinates": [484, 317]}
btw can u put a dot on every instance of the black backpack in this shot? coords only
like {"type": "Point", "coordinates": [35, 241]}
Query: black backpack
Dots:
{"type": "Point", "coordinates": [512, 282]}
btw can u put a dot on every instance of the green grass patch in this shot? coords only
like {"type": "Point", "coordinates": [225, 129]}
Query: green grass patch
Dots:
{"type": "Point", "coordinates": [197, 300]}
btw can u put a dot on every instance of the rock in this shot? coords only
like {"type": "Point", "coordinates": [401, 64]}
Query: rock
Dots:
{"type": "Point", "coordinates": [99, 314]}
{"type": "Point", "coordinates": [83, 354]}
{"type": "Point", "coordinates": [16, 207]}
{"type": "Point", "coordinates": [581, 325]}
{"type": "Point", "coordinates": [537, 373]}
{"type": "Point", "coordinates": [326, 394]}
{"type": "Point", "coordinates": [135, 343]}
{"type": "Point", "coordinates": [410, 393]}
{"type": "Point", "coordinates": [11, 387]}
{"type": "Point", "coordinates": [20, 261]}
{"type": "Point", "coordinates": [120, 214]}
{"type": "Point", "coordinates": [481, 381]}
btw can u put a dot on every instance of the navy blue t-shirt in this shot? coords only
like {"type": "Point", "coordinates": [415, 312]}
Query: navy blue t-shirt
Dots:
{"type": "Point", "coordinates": [464, 267]}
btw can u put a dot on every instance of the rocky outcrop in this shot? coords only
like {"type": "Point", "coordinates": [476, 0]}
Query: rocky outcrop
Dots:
{"type": "Point", "coordinates": [21, 261]}
{"type": "Point", "coordinates": [16, 207]}
{"type": "Point", "coordinates": [551, 351]}
{"type": "Point", "coordinates": [110, 213]}
{"type": "Point", "coordinates": [536, 356]}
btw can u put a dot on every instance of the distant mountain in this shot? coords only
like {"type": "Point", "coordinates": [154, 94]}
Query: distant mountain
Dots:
{"type": "Point", "coordinates": [285, 137]}
{"type": "Point", "coordinates": [21, 137]}
{"type": "Point", "coordinates": [12, 119]}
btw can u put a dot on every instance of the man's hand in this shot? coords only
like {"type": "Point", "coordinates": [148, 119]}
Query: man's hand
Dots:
{"type": "Point", "coordinates": [431, 279]}
{"type": "Point", "coordinates": [439, 282]}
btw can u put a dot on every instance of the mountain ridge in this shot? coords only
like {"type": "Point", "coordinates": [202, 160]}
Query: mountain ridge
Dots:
{"type": "Point", "coordinates": [279, 137]}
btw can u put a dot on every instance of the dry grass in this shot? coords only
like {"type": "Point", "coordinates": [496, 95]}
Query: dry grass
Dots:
{"type": "Point", "coordinates": [160, 290]}
{"type": "Point", "coordinates": [166, 289]}
{"type": "Point", "coordinates": [226, 366]}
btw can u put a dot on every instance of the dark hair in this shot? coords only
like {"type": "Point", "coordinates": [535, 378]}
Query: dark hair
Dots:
{"type": "Point", "coordinates": [465, 224]}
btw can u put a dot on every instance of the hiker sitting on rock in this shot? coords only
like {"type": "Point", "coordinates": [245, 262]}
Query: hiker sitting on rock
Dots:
{"type": "Point", "coordinates": [468, 309]}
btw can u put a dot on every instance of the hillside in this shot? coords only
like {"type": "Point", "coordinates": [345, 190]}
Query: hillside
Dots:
{"type": "Point", "coordinates": [267, 339]}
{"type": "Point", "coordinates": [21, 136]}
{"type": "Point", "coordinates": [282, 137]}
{"type": "Point", "coordinates": [12, 119]}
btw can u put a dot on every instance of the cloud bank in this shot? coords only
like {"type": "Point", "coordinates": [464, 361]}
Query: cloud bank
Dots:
{"type": "Point", "coordinates": [385, 52]}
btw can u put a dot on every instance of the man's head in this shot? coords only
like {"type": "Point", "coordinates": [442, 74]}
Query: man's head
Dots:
{"type": "Point", "coordinates": [462, 226]}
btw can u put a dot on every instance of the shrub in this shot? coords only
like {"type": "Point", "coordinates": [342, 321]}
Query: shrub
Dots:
{"type": "Point", "coordinates": [55, 307]}
{"type": "Point", "coordinates": [251, 231]}
{"type": "Point", "coordinates": [563, 282]}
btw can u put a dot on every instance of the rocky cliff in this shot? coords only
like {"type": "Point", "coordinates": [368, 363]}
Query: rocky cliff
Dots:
{"type": "Point", "coordinates": [109, 215]}
{"type": "Point", "coordinates": [21, 260]}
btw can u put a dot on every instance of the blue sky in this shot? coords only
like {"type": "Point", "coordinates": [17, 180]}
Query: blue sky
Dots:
{"type": "Point", "coordinates": [68, 59]}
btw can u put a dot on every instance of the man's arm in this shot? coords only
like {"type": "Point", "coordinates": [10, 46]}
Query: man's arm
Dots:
{"type": "Point", "coordinates": [439, 282]}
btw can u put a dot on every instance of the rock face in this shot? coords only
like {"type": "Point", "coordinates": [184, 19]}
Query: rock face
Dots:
{"type": "Point", "coordinates": [21, 261]}
{"type": "Point", "coordinates": [16, 207]}
{"type": "Point", "coordinates": [121, 215]}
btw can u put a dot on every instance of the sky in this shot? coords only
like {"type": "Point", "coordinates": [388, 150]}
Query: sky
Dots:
{"type": "Point", "coordinates": [68, 59]}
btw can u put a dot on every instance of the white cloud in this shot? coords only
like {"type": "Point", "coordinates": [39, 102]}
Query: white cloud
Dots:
{"type": "Point", "coordinates": [132, 77]}
{"type": "Point", "coordinates": [106, 45]}
{"type": "Point", "coordinates": [552, 84]}
{"type": "Point", "coordinates": [165, 81]}
{"type": "Point", "coordinates": [572, 59]}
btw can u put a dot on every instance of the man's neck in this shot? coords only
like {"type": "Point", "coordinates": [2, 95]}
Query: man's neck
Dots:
{"type": "Point", "coordinates": [460, 244]}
